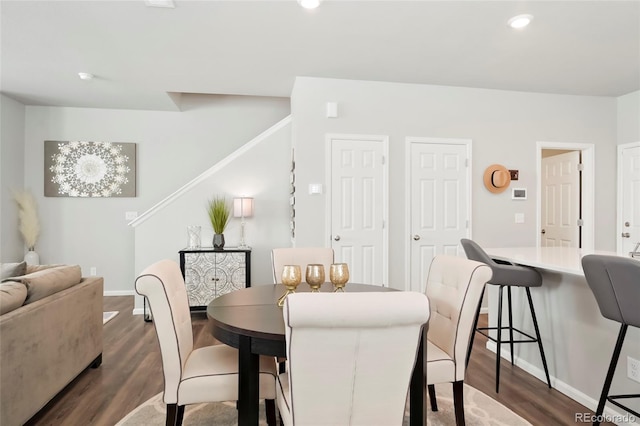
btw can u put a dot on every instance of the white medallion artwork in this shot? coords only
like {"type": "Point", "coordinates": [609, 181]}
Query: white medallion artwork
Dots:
{"type": "Point", "coordinates": [89, 169]}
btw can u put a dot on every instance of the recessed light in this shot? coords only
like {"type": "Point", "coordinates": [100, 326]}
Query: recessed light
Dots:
{"type": "Point", "coordinates": [520, 21]}
{"type": "Point", "coordinates": [309, 4]}
{"type": "Point", "coordinates": [160, 3]}
{"type": "Point", "coordinates": [85, 76]}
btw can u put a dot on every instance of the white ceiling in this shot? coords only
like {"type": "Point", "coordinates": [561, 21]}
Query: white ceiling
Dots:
{"type": "Point", "coordinates": [142, 57]}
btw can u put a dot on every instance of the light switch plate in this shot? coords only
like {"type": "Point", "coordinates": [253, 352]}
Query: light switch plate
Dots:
{"type": "Point", "coordinates": [130, 215]}
{"type": "Point", "coordinates": [519, 217]}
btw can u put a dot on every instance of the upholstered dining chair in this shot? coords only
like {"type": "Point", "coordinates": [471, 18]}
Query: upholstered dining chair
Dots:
{"type": "Point", "coordinates": [302, 256]}
{"type": "Point", "coordinates": [615, 283]}
{"type": "Point", "coordinates": [350, 357]}
{"type": "Point", "coordinates": [191, 376]}
{"type": "Point", "coordinates": [454, 288]}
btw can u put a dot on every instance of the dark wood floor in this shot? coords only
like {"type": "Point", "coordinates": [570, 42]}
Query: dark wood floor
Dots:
{"type": "Point", "coordinates": [131, 373]}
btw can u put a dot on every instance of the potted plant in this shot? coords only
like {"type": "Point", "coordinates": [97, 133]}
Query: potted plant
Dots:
{"type": "Point", "coordinates": [219, 214]}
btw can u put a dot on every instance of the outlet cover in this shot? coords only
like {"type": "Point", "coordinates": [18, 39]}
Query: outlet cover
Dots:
{"type": "Point", "coordinates": [130, 215]}
{"type": "Point", "coordinates": [93, 271]}
{"type": "Point", "coordinates": [633, 369]}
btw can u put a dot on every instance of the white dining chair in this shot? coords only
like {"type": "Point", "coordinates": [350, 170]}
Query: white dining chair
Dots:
{"type": "Point", "coordinates": [454, 288]}
{"type": "Point", "coordinates": [192, 376]}
{"type": "Point", "coordinates": [350, 357]}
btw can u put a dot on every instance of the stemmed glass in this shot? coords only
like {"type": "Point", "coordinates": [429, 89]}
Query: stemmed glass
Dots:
{"type": "Point", "coordinates": [291, 277]}
{"type": "Point", "coordinates": [315, 276]}
{"type": "Point", "coordinates": [339, 275]}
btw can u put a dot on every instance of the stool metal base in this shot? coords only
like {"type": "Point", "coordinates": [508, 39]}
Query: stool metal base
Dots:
{"type": "Point", "coordinates": [511, 329]}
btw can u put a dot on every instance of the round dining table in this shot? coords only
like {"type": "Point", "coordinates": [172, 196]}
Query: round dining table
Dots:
{"type": "Point", "coordinates": [250, 320]}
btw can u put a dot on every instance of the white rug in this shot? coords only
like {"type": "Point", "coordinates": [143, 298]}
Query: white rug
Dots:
{"type": "Point", "coordinates": [480, 410]}
{"type": "Point", "coordinates": [108, 316]}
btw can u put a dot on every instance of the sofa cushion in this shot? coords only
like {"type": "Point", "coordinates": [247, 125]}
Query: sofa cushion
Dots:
{"type": "Point", "coordinates": [46, 282]}
{"type": "Point", "coordinates": [35, 268]}
{"type": "Point", "coordinates": [12, 296]}
{"type": "Point", "coordinates": [12, 269]}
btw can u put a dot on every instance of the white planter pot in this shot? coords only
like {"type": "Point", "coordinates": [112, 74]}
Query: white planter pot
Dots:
{"type": "Point", "coordinates": [32, 258]}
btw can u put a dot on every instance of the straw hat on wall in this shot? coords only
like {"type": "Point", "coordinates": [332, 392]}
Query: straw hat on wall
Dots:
{"type": "Point", "coordinates": [497, 178]}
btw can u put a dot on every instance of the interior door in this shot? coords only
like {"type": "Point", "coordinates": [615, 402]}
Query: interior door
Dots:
{"type": "Point", "coordinates": [560, 200]}
{"type": "Point", "coordinates": [439, 205]}
{"type": "Point", "coordinates": [358, 200]}
{"type": "Point", "coordinates": [630, 184]}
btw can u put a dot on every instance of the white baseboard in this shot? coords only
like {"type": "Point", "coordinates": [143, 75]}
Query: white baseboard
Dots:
{"type": "Point", "coordinates": [484, 310]}
{"type": "Point", "coordinates": [138, 311]}
{"type": "Point", "coordinates": [119, 293]}
{"type": "Point", "coordinates": [565, 388]}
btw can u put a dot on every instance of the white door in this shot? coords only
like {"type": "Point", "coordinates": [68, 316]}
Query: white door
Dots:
{"type": "Point", "coordinates": [439, 204]}
{"type": "Point", "coordinates": [630, 184]}
{"type": "Point", "coordinates": [358, 207]}
{"type": "Point", "coordinates": [561, 200]}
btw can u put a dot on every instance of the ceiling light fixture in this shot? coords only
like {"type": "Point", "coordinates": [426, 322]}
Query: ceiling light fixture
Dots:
{"type": "Point", "coordinates": [309, 4]}
{"type": "Point", "coordinates": [520, 21]}
{"type": "Point", "coordinates": [85, 76]}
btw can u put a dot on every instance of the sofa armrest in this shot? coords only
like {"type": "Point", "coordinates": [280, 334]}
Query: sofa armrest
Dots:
{"type": "Point", "coordinates": [45, 345]}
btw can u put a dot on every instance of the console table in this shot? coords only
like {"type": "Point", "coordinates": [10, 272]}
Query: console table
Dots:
{"type": "Point", "coordinates": [210, 273]}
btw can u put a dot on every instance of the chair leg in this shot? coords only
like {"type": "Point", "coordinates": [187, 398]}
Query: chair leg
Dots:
{"type": "Point", "coordinates": [270, 411]}
{"type": "Point", "coordinates": [172, 414]}
{"type": "Point", "coordinates": [180, 415]}
{"type": "Point", "coordinates": [612, 369]}
{"type": "Point", "coordinates": [535, 326]}
{"type": "Point", "coordinates": [499, 337]}
{"type": "Point", "coordinates": [458, 402]}
{"type": "Point", "coordinates": [432, 397]}
{"type": "Point", "coordinates": [510, 323]}
{"type": "Point", "coordinates": [475, 326]}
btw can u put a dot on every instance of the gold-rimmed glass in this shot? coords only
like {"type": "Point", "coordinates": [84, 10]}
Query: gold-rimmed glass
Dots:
{"type": "Point", "coordinates": [339, 275]}
{"type": "Point", "coordinates": [291, 277]}
{"type": "Point", "coordinates": [315, 276]}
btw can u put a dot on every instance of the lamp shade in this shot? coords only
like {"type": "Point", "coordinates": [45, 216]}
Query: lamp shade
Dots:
{"type": "Point", "coordinates": [243, 207]}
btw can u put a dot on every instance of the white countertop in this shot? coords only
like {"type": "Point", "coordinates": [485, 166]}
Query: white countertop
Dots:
{"type": "Point", "coordinates": [559, 259]}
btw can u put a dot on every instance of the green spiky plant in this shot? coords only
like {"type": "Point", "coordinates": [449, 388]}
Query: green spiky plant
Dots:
{"type": "Point", "coordinates": [219, 214]}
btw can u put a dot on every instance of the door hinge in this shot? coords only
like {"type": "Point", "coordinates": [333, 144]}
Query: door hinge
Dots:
{"type": "Point", "coordinates": [580, 167]}
{"type": "Point", "coordinates": [383, 160]}
{"type": "Point", "coordinates": [383, 224]}
{"type": "Point", "coordinates": [580, 222]}
{"type": "Point", "coordinates": [466, 162]}
{"type": "Point", "coordinates": [467, 224]}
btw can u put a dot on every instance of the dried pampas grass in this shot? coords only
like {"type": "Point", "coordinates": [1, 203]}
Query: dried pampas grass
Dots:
{"type": "Point", "coordinates": [28, 216]}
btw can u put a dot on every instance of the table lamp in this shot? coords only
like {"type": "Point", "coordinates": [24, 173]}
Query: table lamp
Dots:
{"type": "Point", "coordinates": [242, 208]}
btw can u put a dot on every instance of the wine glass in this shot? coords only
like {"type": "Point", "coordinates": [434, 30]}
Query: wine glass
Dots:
{"type": "Point", "coordinates": [291, 277]}
{"type": "Point", "coordinates": [339, 275]}
{"type": "Point", "coordinates": [315, 276]}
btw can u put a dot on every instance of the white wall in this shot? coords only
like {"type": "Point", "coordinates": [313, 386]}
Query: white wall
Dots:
{"type": "Point", "coordinates": [173, 148]}
{"type": "Point", "coordinates": [12, 119]}
{"type": "Point", "coordinates": [629, 118]}
{"type": "Point", "coordinates": [504, 127]}
{"type": "Point", "coordinates": [261, 173]}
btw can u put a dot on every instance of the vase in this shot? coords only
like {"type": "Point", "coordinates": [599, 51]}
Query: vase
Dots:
{"type": "Point", "coordinates": [193, 233]}
{"type": "Point", "coordinates": [32, 257]}
{"type": "Point", "coordinates": [218, 241]}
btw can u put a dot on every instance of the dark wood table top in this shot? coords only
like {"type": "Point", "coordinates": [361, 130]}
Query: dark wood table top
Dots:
{"type": "Point", "coordinates": [254, 312]}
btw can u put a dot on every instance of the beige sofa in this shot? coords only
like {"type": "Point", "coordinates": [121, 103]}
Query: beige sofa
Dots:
{"type": "Point", "coordinates": [45, 344]}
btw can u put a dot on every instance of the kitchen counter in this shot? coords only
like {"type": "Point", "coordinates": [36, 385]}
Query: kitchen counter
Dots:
{"type": "Point", "coordinates": [578, 341]}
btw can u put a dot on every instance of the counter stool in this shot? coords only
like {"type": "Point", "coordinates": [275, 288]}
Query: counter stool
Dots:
{"type": "Point", "coordinates": [506, 275]}
{"type": "Point", "coordinates": [615, 283]}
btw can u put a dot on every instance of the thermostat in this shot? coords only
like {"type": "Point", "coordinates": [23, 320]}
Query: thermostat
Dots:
{"type": "Point", "coordinates": [519, 193]}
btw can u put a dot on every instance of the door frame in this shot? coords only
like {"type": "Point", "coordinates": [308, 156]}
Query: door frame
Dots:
{"type": "Point", "coordinates": [587, 192]}
{"type": "Point", "coordinates": [619, 231]}
{"type": "Point", "coordinates": [407, 191]}
{"type": "Point", "coordinates": [384, 140]}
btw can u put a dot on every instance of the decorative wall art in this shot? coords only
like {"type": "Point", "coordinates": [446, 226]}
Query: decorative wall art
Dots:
{"type": "Point", "coordinates": [292, 197]}
{"type": "Point", "coordinates": [89, 169]}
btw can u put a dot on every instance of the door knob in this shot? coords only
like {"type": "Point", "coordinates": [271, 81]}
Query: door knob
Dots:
{"type": "Point", "coordinates": [337, 238]}
{"type": "Point", "coordinates": [543, 232]}
{"type": "Point", "coordinates": [627, 224]}
{"type": "Point", "coordinates": [626, 235]}
{"type": "Point", "coordinates": [416, 237]}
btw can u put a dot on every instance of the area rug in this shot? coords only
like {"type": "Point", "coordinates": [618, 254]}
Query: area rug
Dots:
{"type": "Point", "coordinates": [479, 410]}
{"type": "Point", "coordinates": [108, 316]}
